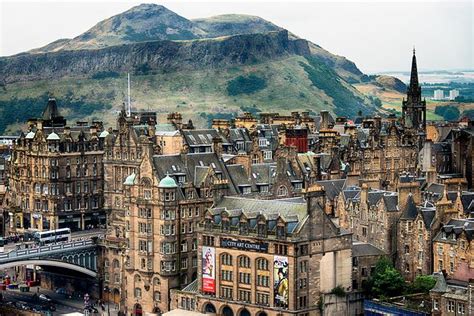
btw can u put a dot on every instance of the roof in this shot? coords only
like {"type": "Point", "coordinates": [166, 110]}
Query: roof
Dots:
{"type": "Point", "coordinates": [440, 285]}
{"type": "Point", "coordinates": [410, 211]}
{"type": "Point", "coordinates": [332, 187]}
{"type": "Point", "coordinates": [130, 180]}
{"type": "Point", "coordinates": [53, 136]}
{"type": "Point", "coordinates": [362, 249]}
{"type": "Point", "coordinates": [191, 287]}
{"type": "Point", "coordinates": [104, 134]}
{"type": "Point", "coordinates": [30, 135]}
{"type": "Point", "coordinates": [167, 182]}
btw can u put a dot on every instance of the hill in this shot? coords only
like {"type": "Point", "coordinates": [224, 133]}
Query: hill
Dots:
{"type": "Point", "coordinates": [205, 68]}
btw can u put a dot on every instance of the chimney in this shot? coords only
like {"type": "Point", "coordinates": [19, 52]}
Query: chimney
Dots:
{"type": "Point", "coordinates": [151, 127]}
{"type": "Point", "coordinates": [324, 120]}
{"type": "Point", "coordinates": [217, 145]}
{"type": "Point", "coordinates": [317, 166]}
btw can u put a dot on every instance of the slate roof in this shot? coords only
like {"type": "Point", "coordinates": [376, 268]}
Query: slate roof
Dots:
{"type": "Point", "coordinates": [428, 216]}
{"type": "Point", "coordinates": [191, 287]}
{"type": "Point", "coordinates": [287, 208]}
{"type": "Point", "coordinates": [410, 211]}
{"type": "Point", "coordinates": [362, 249]}
{"type": "Point", "coordinates": [332, 187]}
{"type": "Point", "coordinates": [352, 192]}
{"type": "Point", "coordinates": [391, 202]}
{"type": "Point", "coordinates": [202, 137]}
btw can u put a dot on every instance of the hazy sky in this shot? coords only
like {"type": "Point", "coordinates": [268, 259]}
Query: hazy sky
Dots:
{"type": "Point", "coordinates": [376, 35]}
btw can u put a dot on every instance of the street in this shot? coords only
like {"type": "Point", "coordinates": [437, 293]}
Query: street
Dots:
{"type": "Point", "coordinates": [63, 305]}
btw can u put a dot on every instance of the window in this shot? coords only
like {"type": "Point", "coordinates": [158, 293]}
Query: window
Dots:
{"type": "Point", "coordinates": [246, 190]}
{"type": "Point", "coordinates": [208, 240]}
{"type": "Point", "coordinates": [194, 244]}
{"type": "Point", "coordinates": [282, 191]}
{"type": "Point", "coordinates": [264, 189]}
{"type": "Point", "coordinates": [280, 231]}
{"type": "Point", "coordinates": [450, 306]}
{"type": "Point", "coordinates": [263, 280]}
{"type": "Point", "coordinates": [281, 249]}
{"type": "Point", "coordinates": [435, 304]}
{"type": "Point", "coordinates": [303, 266]}
{"type": "Point", "coordinates": [461, 309]}
{"type": "Point", "coordinates": [262, 298]}
{"type": "Point", "coordinates": [226, 275]}
{"type": "Point", "coordinates": [184, 263]}
{"type": "Point", "coordinates": [226, 259]}
{"type": "Point", "coordinates": [262, 264]}
{"type": "Point", "coordinates": [138, 292]}
{"type": "Point", "coordinates": [244, 296]}
{"type": "Point", "coordinates": [226, 292]}
{"type": "Point", "coordinates": [184, 246]}
{"type": "Point", "coordinates": [117, 278]}
{"type": "Point", "coordinates": [407, 249]}
{"type": "Point", "coordinates": [244, 262]}
{"type": "Point", "coordinates": [267, 155]}
{"type": "Point", "coordinates": [157, 296]}
{"type": "Point", "coordinates": [244, 278]}
{"type": "Point", "coordinates": [262, 142]}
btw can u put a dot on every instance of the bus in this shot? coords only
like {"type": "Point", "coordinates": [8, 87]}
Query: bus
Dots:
{"type": "Point", "coordinates": [51, 236]}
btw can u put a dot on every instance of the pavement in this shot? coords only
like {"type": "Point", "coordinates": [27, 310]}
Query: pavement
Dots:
{"type": "Point", "coordinates": [64, 305]}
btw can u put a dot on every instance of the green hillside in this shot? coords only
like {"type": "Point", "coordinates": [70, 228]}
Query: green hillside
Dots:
{"type": "Point", "coordinates": [288, 85]}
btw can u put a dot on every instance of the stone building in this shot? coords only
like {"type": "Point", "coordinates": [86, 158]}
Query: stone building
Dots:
{"type": "Point", "coordinates": [124, 148]}
{"type": "Point", "coordinates": [273, 257]}
{"type": "Point", "coordinates": [371, 216]}
{"type": "Point", "coordinates": [451, 297]}
{"type": "Point", "coordinates": [364, 258]}
{"type": "Point", "coordinates": [56, 175]}
{"type": "Point", "coordinates": [453, 252]}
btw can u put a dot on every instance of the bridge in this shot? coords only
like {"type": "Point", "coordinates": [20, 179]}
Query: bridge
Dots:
{"type": "Point", "coordinates": [79, 256]}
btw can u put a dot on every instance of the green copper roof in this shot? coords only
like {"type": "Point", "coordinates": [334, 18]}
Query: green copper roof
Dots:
{"type": "Point", "coordinates": [130, 180]}
{"type": "Point", "coordinates": [167, 182]}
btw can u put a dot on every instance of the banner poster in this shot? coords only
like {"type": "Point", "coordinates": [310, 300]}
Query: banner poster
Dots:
{"type": "Point", "coordinates": [280, 277]}
{"type": "Point", "coordinates": [209, 269]}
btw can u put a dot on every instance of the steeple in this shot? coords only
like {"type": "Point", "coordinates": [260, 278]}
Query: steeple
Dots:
{"type": "Point", "coordinates": [414, 74]}
{"type": "Point", "coordinates": [414, 108]}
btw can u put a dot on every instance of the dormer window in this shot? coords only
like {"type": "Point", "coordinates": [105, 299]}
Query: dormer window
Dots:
{"type": "Point", "coordinates": [262, 229]}
{"type": "Point", "coordinates": [244, 228]}
{"type": "Point", "coordinates": [280, 231]}
{"type": "Point", "coordinates": [225, 224]}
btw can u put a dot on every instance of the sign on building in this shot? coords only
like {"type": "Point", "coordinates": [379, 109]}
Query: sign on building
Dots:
{"type": "Point", "coordinates": [280, 277]}
{"type": "Point", "coordinates": [209, 269]}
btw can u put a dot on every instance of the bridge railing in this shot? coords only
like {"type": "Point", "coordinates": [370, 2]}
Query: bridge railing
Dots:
{"type": "Point", "coordinates": [45, 249]}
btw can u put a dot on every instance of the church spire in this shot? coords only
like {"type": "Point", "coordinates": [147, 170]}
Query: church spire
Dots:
{"type": "Point", "coordinates": [414, 74]}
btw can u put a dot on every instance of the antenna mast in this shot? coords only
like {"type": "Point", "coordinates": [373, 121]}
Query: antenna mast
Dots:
{"type": "Point", "coordinates": [129, 105]}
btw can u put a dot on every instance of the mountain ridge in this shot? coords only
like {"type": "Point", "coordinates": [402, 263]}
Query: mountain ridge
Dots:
{"type": "Point", "coordinates": [203, 76]}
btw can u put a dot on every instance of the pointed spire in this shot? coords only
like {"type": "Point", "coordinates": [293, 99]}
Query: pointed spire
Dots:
{"type": "Point", "coordinates": [414, 73]}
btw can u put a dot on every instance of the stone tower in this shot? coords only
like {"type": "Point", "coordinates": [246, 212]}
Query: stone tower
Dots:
{"type": "Point", "coordinates": [414, 108]}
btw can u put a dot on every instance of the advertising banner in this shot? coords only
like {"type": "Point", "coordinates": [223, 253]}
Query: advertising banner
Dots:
{"type": "Point", "coordinates": [280, 285]}
{"type": "Point", "coordinates": [209, 269]}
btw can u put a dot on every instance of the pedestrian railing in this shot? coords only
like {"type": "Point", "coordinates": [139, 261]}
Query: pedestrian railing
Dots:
{"type": "Point", "coordinates": [44, 250]}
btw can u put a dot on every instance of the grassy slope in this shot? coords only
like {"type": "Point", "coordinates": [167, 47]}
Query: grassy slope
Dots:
{"type": "Point", "coordinates": [392, 100]}
{"type": "Point", "coordinates": [192, 93]}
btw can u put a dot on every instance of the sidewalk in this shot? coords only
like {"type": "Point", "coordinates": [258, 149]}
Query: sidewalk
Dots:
{"type": "Point", "coordinates": [74, 302]}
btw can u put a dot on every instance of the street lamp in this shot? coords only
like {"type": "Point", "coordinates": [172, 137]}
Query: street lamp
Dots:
{"type": "Point", "coordinates": [107, 290]}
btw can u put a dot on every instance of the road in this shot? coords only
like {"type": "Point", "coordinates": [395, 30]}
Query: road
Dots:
{"type": "Point", "coordinates": [63, 305]}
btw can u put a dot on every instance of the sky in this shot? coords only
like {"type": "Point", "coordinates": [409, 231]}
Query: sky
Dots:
{"type": "Point", "coordinates": [378, 36]}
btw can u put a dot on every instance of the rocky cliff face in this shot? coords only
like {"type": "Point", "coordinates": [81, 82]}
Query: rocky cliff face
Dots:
{"type": "Point", "coordinates": [165, 56]}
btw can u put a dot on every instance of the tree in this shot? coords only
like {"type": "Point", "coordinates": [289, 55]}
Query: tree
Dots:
{"type": "Point", "coordinates": [385, 281]}
{"type": "Point", "coordinates": [423, 284]}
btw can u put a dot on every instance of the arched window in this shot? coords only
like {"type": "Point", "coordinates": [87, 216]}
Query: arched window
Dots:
{"type": "Point", "coordinates": [226, 259]}
{"type": "Point", "coordinates": [262, 264]}
{"type": "Point", "coordinates": [244, 262]}
{"type": "Point", "coordinates": [282, 191]}
{"type": "Point", "coordinates": [138, 292]}
{"type": "Point", "coordinates": [137, 279]}
{"type": "Point", "coordinates": [116, 263]}
{"type": "Point", "coordinates": [106, 263]}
